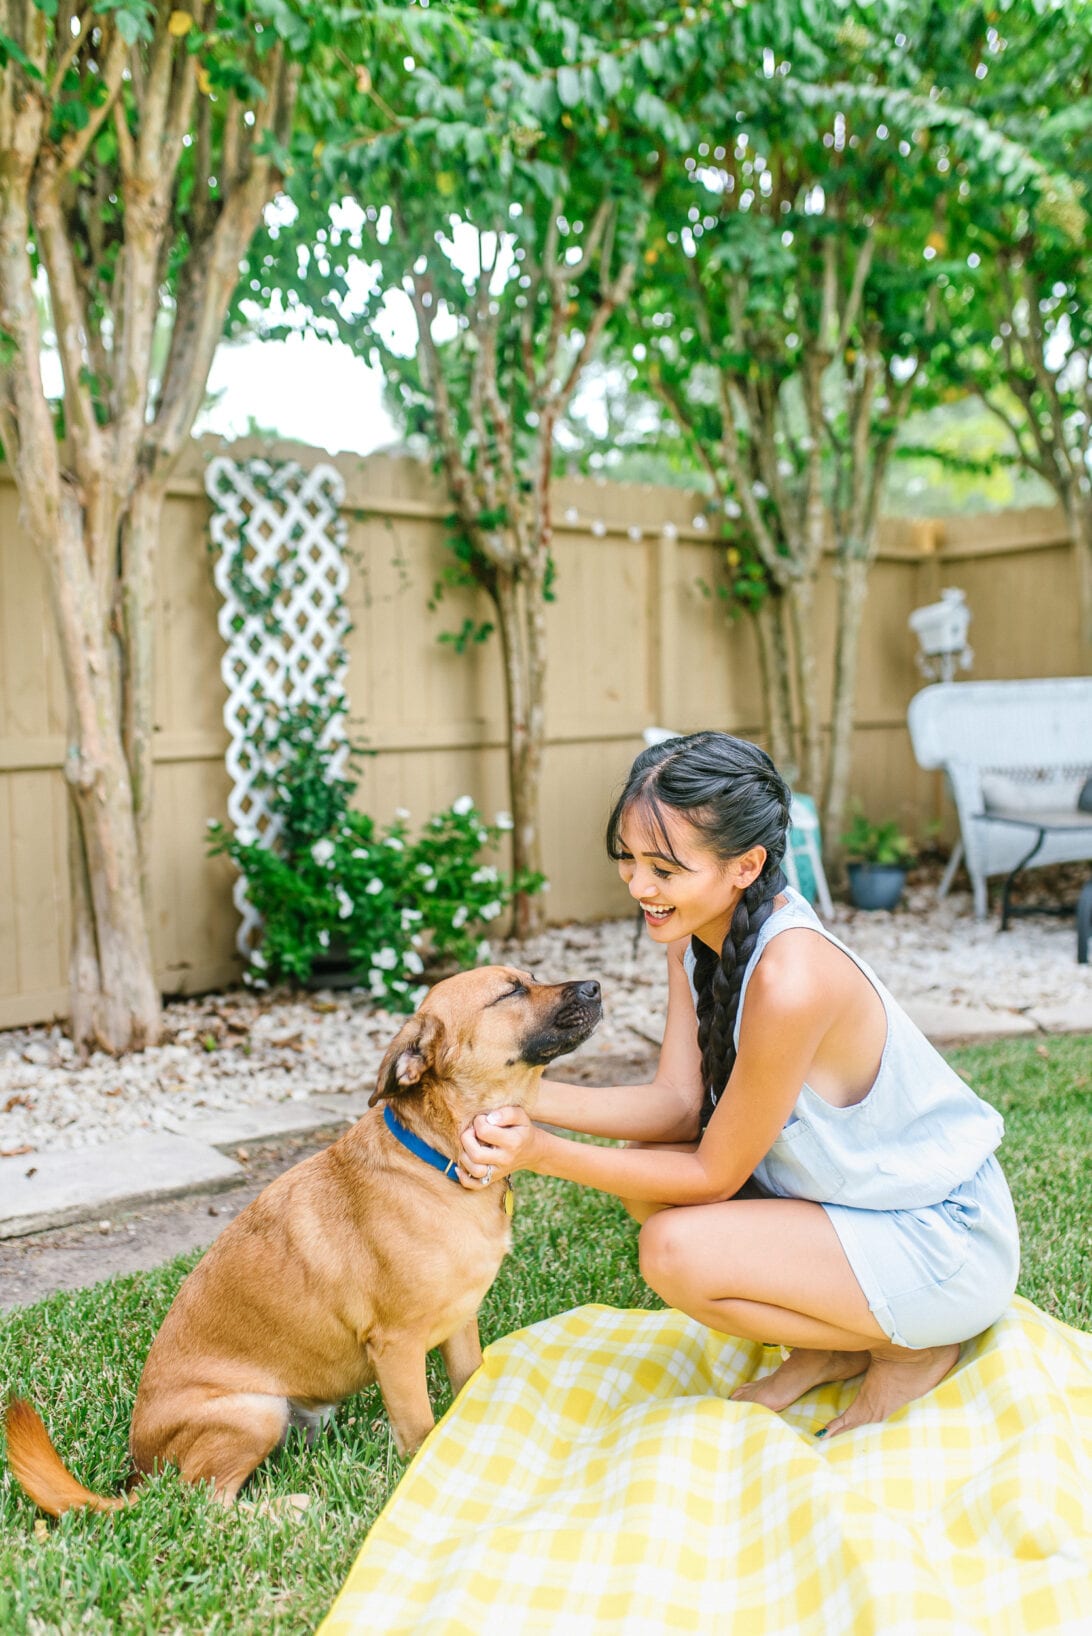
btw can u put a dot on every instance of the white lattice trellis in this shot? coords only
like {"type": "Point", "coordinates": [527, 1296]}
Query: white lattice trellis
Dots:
{"type": "Point", "coordinates": [278, 545]}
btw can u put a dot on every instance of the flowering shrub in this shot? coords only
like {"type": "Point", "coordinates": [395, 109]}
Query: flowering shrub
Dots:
{"type": "Point", "coordinates": [389, 904]}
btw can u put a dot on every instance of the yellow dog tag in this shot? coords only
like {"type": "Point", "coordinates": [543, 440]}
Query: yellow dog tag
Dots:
{"type": "Point", "coordinates": [509, 1200]}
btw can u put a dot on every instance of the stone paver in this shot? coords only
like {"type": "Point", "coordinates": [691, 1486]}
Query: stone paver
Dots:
{"type": "Point", "coordinates": [39, 1190]}
{"type": "Point", "coordinates": [351, 1105]}
{"type": "Point", "coordinates": [260, 1121]}
{"type": "Point", "coordinates": [941, 1023]}
{"type": "Point", "coordinates": [1072, 1016]}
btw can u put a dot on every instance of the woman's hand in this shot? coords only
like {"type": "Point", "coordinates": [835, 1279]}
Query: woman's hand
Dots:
{"type": "Point", "coordinates": [494, 1145]}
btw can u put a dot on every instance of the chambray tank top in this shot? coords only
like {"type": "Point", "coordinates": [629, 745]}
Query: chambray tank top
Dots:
{"type": "Point", "coordinates": [919, 1131]}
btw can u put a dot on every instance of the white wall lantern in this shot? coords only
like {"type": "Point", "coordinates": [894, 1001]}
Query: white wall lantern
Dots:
{"type": "Point", "coordinates": [941, 630]}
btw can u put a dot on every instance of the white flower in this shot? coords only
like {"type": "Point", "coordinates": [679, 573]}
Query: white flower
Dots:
{"type": "Point", "coordinates": [483, 836]}
{"type": "Point", "coordinates": [410, 916]}
{"type": "Point", "coordinates": [386, 959]}
{"type": "Point", "coordinates": [324, 940]}
{"type": "Point", "coordinates": [360, 852]}
{"type": "Point", "coordinates": [377, 986]}
{"type": "Point", "coordinates": [459, 917]}
{"type": "Point", "coordinates": [322, 852]}
{"type": "Point", "coordinates": [401, 812]}
{"type": "Point", "coordinates": [503, 820]}
{"type": "Point", "coordinates": [483, 951]}
{"type": "Point", "coordinates": [484, 876]}
{"type": "Point", "coordinates": [489, 911]}
{"type": "Point", "coordinates": [418, 995]}
{"type": "Point", "coordinates": [394, 843]}
{"type": "Point", "coordinates": [424, 869]}
{"type": "Point", "coordinates": [344, 902]}
{"type": "Point", "coordinates": [374, 886]}
{"type": "Point", "coordinates": [412, 961]}
{"type": "Point", "coordinates": [431, 884]}
{"type": "Point", "coordinates": [760, 491]}
{"type": "Point", "coordinates": [462, 806]}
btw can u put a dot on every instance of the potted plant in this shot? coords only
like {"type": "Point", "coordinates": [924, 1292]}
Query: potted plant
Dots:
{"type": "Point", "coordinates": [877, 858]}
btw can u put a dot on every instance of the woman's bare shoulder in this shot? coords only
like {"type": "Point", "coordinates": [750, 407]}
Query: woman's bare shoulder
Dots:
{"type": "Point", "coordinates": [795, 964]}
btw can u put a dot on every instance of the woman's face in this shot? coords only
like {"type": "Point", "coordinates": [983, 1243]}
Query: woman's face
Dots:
{"type": "Point", "coordinates": [690, 894]}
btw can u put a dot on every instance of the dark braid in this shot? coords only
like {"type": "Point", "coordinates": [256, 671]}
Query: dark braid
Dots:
{"type": "Point", "coordinates": [719, 983]}
{"type": "Point", "coordinates": [732, 794]}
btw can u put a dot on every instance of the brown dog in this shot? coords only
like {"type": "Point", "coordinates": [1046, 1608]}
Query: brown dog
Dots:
{"type": "Point", "coordinates": [350, 1266]}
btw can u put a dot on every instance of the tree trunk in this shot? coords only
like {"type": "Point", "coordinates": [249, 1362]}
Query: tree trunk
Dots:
{"type": "Point", "coordinates": [852, 591]}
{"type": "Point", "coordinates": [773, 655]}
{"type": "Point", "coordinates": [801, 596]}
{"type": "Point", "coordinates": [521, 620]}
{"type": "Point", "coordinates": [139, 556]}
{"type": "Point", "coordinates": [1079, 510]}
{"type": "Point", "coordinates": [115, 1003]}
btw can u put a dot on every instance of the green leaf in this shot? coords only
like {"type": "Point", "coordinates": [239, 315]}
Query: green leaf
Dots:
{"type": "Point", "coordinates": [569, 87]}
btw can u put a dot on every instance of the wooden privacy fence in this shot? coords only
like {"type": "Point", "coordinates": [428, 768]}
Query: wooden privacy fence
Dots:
{"type": "Point", "coordinates": [633, 640]}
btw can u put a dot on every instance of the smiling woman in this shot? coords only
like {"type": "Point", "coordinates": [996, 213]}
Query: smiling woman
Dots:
{"type": "Point", "coordinates": [805, 1166]}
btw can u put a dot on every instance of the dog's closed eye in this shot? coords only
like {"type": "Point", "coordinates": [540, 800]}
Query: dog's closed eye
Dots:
{"type": "Point", "coordinates": [510, 993]}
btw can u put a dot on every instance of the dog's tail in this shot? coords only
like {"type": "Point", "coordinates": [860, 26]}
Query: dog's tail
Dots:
{"type": "Point", "coordinates": [39, 1469]}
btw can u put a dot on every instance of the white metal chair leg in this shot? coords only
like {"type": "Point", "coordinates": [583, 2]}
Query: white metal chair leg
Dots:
{"type": "Point", "coordinates": [949, 870]}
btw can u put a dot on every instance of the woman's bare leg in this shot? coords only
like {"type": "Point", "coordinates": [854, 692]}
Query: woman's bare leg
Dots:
{"type": "Point", "coordinates": [775, 1270]}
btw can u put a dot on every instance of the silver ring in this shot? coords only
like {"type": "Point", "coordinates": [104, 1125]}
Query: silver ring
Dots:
{"type": "Point", "coordinates": [488, 1177]}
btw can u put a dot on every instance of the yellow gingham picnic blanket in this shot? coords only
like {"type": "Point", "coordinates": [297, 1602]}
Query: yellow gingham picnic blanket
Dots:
{"type": "Point", "coordinates": [593, 1476]}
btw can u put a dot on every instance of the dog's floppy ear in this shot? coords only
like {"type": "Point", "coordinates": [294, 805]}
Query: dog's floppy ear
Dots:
{"type": "Point", "coordinates": [416, 1050]}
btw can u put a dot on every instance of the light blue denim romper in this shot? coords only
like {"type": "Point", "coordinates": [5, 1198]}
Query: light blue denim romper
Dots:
{"type": "Point", "coordinates": [907, 1176]}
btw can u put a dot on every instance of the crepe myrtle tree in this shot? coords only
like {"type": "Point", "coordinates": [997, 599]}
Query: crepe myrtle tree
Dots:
{"type": "Point", "coordinates": [139, 143]}
{"type": "Point", "coordinates": [789, 319]}
{"type": "Point", "coordinates": [1026, 309]}
{"type": "Point", "coordinates": [502, 201]}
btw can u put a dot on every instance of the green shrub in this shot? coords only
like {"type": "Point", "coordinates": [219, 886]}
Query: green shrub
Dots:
{"type": "Point", "coordinates": [389, 907]}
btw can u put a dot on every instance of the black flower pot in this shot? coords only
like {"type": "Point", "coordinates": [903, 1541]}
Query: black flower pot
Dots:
{"type": "Point", "coordinates": [335, 969]}
{"type": "Point", "coordinates": [875, 885]}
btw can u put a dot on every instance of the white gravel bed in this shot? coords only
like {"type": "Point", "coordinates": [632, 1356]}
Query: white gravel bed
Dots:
{"type": "Point", "coordinates": [229, 1050]}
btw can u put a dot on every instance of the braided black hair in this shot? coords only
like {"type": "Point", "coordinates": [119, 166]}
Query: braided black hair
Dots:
{"type": "Point", "coordinates": [733, 796]}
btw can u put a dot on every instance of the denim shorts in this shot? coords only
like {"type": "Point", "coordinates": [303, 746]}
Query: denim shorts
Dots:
{"type": "Point", "coordinates": [939, 1274]}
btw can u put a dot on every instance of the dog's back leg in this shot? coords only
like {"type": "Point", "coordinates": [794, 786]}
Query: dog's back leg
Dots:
{"type": "Point", "coordinates": [218, 1440]}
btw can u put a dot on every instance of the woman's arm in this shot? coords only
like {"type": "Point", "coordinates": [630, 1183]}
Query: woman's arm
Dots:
{"type": "Point", "coordinates": [785, 1018]}
{"type": "Point", "coordinates": [665, 1110]}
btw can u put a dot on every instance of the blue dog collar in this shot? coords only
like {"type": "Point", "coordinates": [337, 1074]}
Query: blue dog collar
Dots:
{"type": "Point", "coordinates": [420, 1149]}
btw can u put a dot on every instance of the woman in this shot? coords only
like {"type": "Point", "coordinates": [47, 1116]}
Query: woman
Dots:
{"type": "Point", "coordinates": [831, 1180]}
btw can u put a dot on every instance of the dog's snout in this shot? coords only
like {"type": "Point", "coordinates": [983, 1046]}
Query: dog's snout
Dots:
{"type": "Point", "coordinates": [587, 991]}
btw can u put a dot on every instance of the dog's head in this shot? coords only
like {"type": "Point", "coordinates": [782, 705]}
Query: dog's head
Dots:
{"type": "Point", "coordinates": [488, 1033]}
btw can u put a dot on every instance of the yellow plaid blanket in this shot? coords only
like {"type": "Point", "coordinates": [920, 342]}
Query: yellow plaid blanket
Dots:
{"type": "Point", "coordinates": [594, 1477]}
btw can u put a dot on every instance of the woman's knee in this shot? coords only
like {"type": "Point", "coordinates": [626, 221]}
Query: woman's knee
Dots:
{"type": "Point", "coordinates": [665, 1249]}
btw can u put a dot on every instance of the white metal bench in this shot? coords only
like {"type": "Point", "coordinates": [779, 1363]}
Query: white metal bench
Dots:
{"type": "Point", "coordinates": [1016, 755]}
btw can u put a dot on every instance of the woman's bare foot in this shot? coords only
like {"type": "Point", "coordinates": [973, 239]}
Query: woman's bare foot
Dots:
{"type": "Point", "coordinates": [896, 1376]}
{"type": "Point", "coordinates": [801, 1370]}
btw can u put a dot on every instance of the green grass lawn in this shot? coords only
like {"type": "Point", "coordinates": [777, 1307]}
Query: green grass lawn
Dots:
{"type": "Point", "coordinates": [176, 1563]}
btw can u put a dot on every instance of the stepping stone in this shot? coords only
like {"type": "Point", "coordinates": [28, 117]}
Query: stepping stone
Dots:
{"type": "Point", "coordinates": [1072, 1016]}
{"type": "Point", "coordinates": [225, 1128]}
{"type": "Point", "coordinates": [39, 1190]}
{"type": "Point", "coordinates": [965, 1022]}
{"type": "Point", "coordinates": [350, 1104]}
